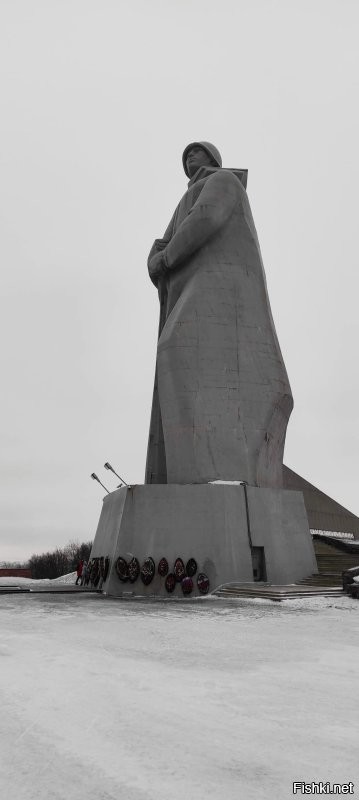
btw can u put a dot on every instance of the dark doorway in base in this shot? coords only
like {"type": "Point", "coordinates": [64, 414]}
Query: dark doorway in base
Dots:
{"type": "Point", "coordinates": [258, 564]}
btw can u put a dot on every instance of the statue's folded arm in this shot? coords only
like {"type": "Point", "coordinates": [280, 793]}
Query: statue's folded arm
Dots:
{"type": "Point", "coordinates": [213, 208]}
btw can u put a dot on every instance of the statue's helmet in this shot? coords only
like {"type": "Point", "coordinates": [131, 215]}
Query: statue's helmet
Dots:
{"type": "Point", "coordinates": [209, 148]}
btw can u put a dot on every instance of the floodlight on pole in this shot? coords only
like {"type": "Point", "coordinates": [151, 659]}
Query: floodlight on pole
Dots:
{"type": "Point", "coordinates": [95, 478]}
{"type": "Point", "coordinates": [108, 466]}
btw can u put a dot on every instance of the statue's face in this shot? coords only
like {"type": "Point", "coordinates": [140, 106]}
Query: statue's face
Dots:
{"type": "Point", "coordinates": [196, 158]}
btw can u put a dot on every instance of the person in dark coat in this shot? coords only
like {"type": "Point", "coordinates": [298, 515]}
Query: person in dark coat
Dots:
{"type": "Point", "coordinates": [79, 569]}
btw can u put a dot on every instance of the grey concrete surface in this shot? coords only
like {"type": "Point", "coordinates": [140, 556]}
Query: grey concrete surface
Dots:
{"type": "Point", "coordinates": [279, 523]}
{"type": "Point", "coordinates": [221, 398]}
{"type": "Point", "coordinates": [206, 522]}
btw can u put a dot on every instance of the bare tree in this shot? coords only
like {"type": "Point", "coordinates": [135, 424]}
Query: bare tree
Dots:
{"type": "Point", "coordinates": [60, 561]}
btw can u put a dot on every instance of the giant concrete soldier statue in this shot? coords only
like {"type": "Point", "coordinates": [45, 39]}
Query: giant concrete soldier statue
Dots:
{"type": "Point", "coordinates": [220, 411]}
{"type": "Point", "coordinates": [222, 399]}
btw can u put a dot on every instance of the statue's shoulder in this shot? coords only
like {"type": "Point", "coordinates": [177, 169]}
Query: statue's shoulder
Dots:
{"type": "Point", "coordinates": [225, 175]}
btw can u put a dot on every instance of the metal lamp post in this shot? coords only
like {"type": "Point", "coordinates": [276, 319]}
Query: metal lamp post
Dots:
{"type": "Point", "coordinates": [108, 466]}
{"type": "Point", "coordinates": [96, 478]}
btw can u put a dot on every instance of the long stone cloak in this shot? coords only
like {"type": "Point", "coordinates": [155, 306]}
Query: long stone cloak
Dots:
{"type": "Point", "coordinates": [221, 399]}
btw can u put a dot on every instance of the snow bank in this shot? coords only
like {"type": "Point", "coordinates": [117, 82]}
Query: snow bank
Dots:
{"type": "Point", "coordinates": [14, 581]}
{"type": "Point", "coordinates": [69, 578]}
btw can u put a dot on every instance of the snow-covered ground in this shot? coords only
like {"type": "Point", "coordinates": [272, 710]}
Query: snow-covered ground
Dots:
{"type": "Point", "coordinates": [120, 700]}
{"type": "Point", "coordinates": [18, 581]}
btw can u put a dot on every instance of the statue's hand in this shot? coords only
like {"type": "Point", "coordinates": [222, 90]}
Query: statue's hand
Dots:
{"type": "Point", "coordinates": [160, 244]}
{"type": "Point", "coordinates": [157, 267]}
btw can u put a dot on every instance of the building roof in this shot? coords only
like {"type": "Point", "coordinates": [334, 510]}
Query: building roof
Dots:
{"type": "Point", "coordinates": [324, 513]}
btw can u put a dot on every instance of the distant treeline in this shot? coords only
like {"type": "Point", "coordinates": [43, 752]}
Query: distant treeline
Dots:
{"type": "Point", "coordinates": [60, 561]}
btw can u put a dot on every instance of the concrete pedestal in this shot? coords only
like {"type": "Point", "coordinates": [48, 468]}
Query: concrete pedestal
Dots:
{"type": "Point", "coordinates": [232, 532]}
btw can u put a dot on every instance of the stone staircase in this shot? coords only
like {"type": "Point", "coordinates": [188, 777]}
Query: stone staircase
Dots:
{"type": "Point", "coordinates": [332, 560]}
{"type": "Point", "coordinates": [331, 564]}
{"type": "Point", "coordinates": [265, 591]}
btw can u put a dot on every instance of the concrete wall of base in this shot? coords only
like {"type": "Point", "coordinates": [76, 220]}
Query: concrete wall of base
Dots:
{"type": "Point", "coordinates": [279, 523]}
{"type": "Point", "coordinates": [109, 525]}
{"type": "Point", "coordinates": [208, 523]}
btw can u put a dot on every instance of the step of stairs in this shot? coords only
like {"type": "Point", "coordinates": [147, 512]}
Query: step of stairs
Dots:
{"type": "Point", "coordinates": [331, 564]}
{"type": "Point", "coordinates": [333, 579]}
{"type": "Point", "coordinates": [269, 592]}
{"type": "Point", "coordinates": [336, 563]}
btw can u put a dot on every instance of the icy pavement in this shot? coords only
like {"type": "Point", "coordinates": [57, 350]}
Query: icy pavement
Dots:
{"type": "Point", "coordinates": [119, 700]}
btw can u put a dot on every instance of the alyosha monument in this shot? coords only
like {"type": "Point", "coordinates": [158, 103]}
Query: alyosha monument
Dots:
{"type": "Point", "coordinates": [213, 509]}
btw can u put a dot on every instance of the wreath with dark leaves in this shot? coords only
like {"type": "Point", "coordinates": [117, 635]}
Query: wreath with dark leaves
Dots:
{"type": "Point", "coordinates": [148, 570]}
{"type": "Point", "coordinates": [122, 569]}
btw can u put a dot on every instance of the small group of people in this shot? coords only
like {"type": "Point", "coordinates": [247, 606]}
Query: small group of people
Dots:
{"type": "Point", "coordinates": [93, 572]}
{"type": "Point", "coordinates": [82, 572]}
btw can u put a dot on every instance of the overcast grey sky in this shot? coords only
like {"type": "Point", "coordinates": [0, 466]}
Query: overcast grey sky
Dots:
{"type": "Point", "coordinates": [98, 100]}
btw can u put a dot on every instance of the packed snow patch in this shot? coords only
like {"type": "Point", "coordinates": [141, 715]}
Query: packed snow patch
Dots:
{"type": "Point", "coordinates": [70, 577]}
{"type": "Point", "coordinates": [14, 581]}
{"type": "Point", "coordinates": [106, 699]}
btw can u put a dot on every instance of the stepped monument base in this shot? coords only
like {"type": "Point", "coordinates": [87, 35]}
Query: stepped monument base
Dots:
{"type": "Point", "coordinates": [229, 532]}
